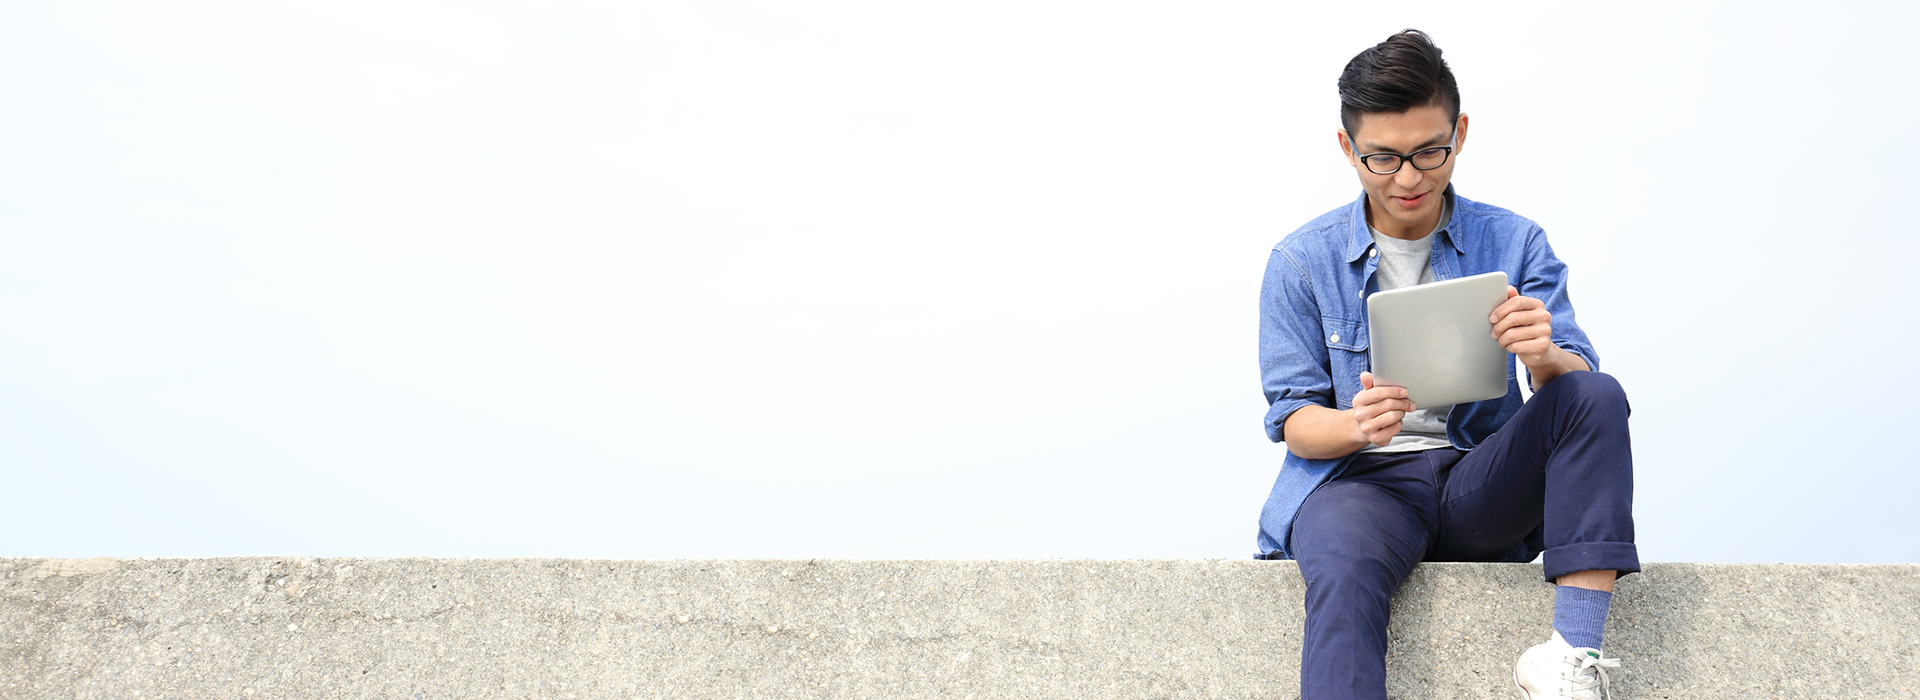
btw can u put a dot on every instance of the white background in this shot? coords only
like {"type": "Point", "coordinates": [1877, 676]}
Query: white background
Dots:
{"type": "Point", "coordinates": [889, 279]}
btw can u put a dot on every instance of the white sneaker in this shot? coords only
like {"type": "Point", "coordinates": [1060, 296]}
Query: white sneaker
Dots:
{"type": "Point", "coordinates": [1557, 669]}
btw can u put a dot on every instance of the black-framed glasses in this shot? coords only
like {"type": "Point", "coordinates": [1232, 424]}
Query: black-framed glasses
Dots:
{"type": "Point", "coordinates": [1424, 159]}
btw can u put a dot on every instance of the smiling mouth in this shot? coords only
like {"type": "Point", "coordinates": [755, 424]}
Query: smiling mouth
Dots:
{"type": "Point", "coordinates": [1413, 201]}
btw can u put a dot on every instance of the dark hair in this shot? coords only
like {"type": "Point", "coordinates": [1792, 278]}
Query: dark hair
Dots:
{"type": "Point", "coordinates": [1397, 75]}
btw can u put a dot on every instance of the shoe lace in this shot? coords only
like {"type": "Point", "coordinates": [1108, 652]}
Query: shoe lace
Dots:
{"type": "Point", "coordinates": [1589, 672]}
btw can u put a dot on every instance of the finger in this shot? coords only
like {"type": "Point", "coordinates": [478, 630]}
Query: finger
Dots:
{"type": "Point", "coordinates": [1524, 346]}
{"type": "Point", "coordinates": [1380, 429]}
{"type": "Point", "coordinates": [1505, 308]}
{"type": "Point", "coordinates": [1366, 380]}
{"type": "Point", "coordinates": [1382, 433]}
{"type": "Point", "coordinates": [1378, 394]}
{"type": "Point", "coordinates": [1382, 422]}
{"type": "Point", "coordinates": [1530, 347]}
{"type": "Point", "coordinates": [1364, 413]}
{"type": "Point", "coordinates": [1539, 325]}
{"type": "Point", "coordinates": [1524, 317]}
{"type": "Point", "coordinates": [1375, 410]}
{"type": "Point", "coordinates": [1521, 319]}
{"type": "Point", "coordinates": [1526, 326]}
{"type": "Point", "coordinates": [1514, 304]}
{"type": "Point", "coordinates": [1379, 399]}
{"type": "Point", "coordinates": [1376, 405]}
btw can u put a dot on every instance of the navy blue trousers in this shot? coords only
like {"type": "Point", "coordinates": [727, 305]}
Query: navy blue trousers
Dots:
{"type": "Point", "coordinates": [1562, 466]}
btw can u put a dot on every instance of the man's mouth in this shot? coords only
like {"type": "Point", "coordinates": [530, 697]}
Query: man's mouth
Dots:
{"type": "Point", "coordinates": [1411, 202]}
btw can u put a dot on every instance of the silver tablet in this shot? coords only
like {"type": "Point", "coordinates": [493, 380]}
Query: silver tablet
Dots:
{"type": "Point", "coordinates": [1435, 340]}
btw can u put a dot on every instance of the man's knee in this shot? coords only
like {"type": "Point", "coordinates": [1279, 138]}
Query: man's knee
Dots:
{"type": "Point", "coordinates": [1595, 388]}
{"type": "Point", "coordinates": [1363, 576]}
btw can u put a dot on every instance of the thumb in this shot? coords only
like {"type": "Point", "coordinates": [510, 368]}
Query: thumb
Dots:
{"type": "Point", "coordinates": [1511, 292]}
{"type": "Point", "coordinates": [1366, 380]}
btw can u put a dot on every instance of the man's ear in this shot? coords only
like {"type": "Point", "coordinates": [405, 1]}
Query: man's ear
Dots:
{"type": "Point", "coordinates": [1460, 135]}
{"type": "Point", "coordinates": [1346, 147]}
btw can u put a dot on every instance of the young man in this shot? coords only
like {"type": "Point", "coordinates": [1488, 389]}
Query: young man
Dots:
{"type": "Point", "coordinates": [1372, 484]}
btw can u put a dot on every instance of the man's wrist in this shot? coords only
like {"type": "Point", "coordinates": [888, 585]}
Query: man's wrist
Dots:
{"type": "Point", "coordinates": [1323, 433]}
{"type": "Point", "coordinates": [1553, 363]}
{"type": "Point", "coordinates": [1547, 361]}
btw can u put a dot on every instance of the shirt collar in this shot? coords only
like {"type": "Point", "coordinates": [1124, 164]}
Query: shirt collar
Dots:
{"type": "Point", "coordinates": [1363, 235]}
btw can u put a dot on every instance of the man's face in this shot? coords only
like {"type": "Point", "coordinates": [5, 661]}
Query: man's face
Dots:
{"type": "Point", "coordinates": [1407, 203]}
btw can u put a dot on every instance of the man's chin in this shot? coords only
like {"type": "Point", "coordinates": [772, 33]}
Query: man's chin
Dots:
{"type": "Point", "coordinates": [1407, 217]}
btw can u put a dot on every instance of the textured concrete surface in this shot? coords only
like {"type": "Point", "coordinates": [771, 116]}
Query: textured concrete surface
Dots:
{"type": "Point", "coordinates": [421, 629]}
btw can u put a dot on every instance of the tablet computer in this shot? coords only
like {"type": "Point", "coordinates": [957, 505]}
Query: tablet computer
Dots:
{"type": "Point", "coordinates": [1435, 340]}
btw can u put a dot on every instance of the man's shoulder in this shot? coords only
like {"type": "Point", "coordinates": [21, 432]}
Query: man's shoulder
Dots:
{"type": "Point", "coordinates": [1481, 215]}
{"type": "Point", "coordinates": [1327, 232]}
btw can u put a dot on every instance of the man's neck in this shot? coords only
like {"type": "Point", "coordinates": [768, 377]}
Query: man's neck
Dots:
{"type": "Point", "coordinates": [1393, 228]}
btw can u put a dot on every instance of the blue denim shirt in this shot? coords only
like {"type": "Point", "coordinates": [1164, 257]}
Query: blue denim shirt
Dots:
{"type": "Point", "coordinates": [1313, 328]}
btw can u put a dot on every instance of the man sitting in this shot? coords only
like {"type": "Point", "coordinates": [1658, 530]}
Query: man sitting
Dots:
{"type": "Point", "coordinates": [1372, 484]}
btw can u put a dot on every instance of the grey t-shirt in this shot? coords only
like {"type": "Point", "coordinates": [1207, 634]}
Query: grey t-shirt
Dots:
{"type": "Point", "coordinates": [1405, 264]}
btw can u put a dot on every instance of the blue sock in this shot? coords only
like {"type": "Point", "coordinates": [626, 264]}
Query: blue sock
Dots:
{"type": "Point", "coordinates": [1580, 615]}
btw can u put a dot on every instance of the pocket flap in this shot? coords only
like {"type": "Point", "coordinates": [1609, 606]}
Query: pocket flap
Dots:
{"type": "Point", "coordinates": [1344, 334]}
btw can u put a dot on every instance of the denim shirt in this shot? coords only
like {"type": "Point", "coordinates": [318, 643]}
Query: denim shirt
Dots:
{"type": "Point", "coordinates": [1313, 329]}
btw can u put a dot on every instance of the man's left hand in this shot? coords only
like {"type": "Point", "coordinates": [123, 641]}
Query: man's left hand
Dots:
{"type": "Point", "coordinates": [1525, 328]}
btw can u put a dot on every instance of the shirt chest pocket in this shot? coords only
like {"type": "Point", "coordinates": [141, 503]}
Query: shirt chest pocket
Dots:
{"type": "Point", "coordinates": [1346, 356]}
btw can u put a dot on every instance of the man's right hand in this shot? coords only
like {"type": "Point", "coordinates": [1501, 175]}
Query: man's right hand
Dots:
{"type": "Point", "coordinates": [1379, 409]}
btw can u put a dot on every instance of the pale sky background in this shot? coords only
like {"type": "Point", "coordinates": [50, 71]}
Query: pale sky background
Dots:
{"type": "Point", "coordinates": [903, 280]}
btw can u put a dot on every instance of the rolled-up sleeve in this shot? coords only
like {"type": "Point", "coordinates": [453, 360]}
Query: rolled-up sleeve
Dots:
{"type": "Point", "coordinates": [1293, 358]}
{"type": "Point", "coordinates": [1544, 277]}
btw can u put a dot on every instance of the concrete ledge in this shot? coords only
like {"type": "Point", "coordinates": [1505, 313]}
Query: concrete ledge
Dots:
{"type": "Point", "coordinates": [436, 628]}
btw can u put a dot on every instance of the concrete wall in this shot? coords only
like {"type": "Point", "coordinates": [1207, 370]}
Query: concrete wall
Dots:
{"type": "Point", "coordinates": [425, 629]}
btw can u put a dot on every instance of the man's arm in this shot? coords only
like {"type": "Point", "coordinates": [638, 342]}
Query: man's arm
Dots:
{"type": "Point", "coordinates": [1318, 432]}
{"type": "Point", "coordinates": [1293, 352]}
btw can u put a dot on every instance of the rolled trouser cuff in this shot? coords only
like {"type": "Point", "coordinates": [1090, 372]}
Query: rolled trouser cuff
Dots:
{"type": "Point", "coordinates": [1622, 557]}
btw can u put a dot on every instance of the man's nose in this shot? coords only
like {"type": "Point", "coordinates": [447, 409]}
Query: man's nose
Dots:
{"type": "Point", "coordinates": [1408, 175]}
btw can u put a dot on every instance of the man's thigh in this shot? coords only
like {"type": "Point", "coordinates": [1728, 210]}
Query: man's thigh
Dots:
{"type": "Point", "coordinates": [1494, 496]}
{"type": "Point", "coordinates": [1374, 521]}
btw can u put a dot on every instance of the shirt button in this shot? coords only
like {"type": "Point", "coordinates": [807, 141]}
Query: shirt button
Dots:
{"type": "Point", "coordinates": [1361, 294]}
{"type": "Point", "coordinates": [1373, 252]}
{"type": "Point", "coordinates": [1335, 338]}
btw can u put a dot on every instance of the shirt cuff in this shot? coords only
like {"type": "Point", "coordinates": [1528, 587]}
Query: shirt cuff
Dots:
{"type": "Point", "coordinates": [1277, 416]}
